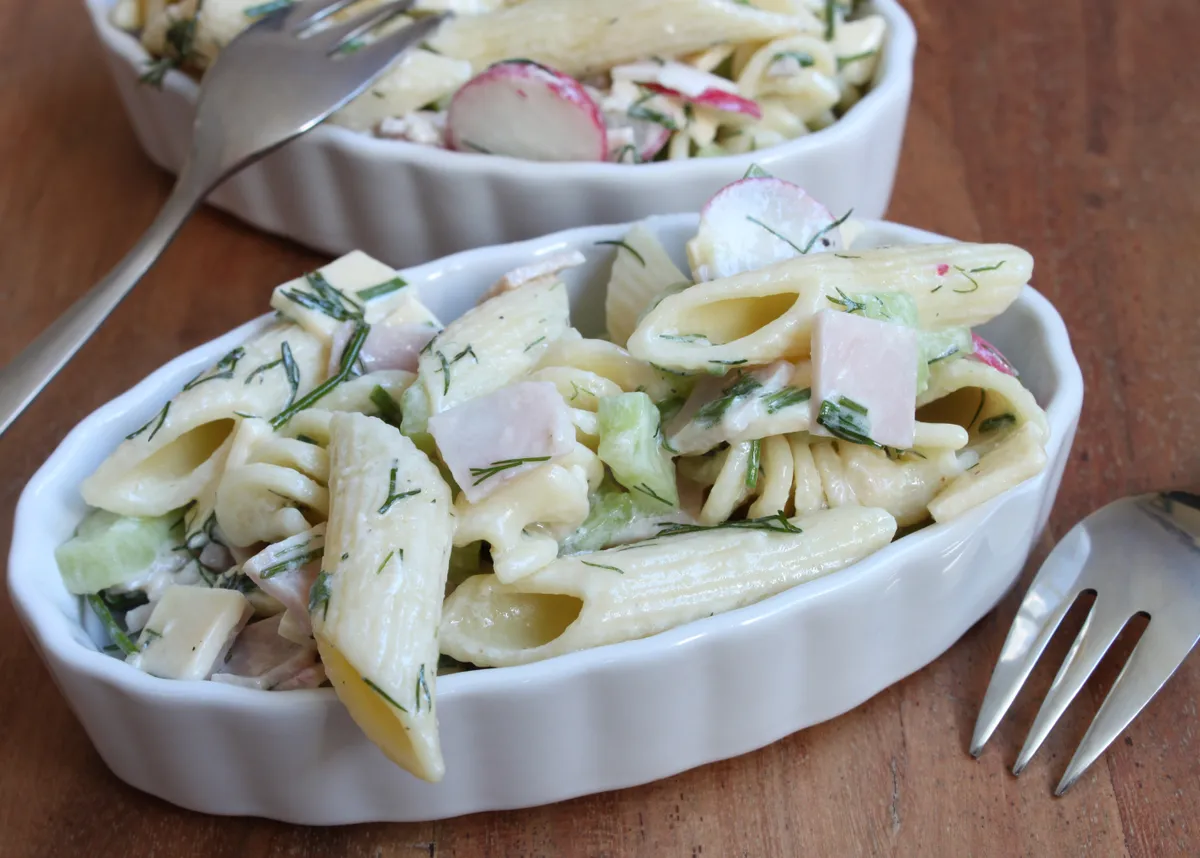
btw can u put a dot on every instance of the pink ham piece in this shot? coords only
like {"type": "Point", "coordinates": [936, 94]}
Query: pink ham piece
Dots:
{"type": "Point", "coordinates": [289, 585]}
{"type": "Point", "coordinates": [488, 440]}
{"type": "Point", "coordinates": [387, 346]}
{"type": "Point", "coordinates": [545, 267]}
{"type": "Point", "coordinates": [985, 352]}
{"type": "Point", "coordinates": [871, 363]}
{"type": "Point", "coordinates": [260, 658]}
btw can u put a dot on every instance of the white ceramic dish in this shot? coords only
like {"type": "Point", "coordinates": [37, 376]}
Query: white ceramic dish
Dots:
{"type": "Point", "coordinates": [590, 721]}
{"type": "Point", "coordinates": [336, 190]}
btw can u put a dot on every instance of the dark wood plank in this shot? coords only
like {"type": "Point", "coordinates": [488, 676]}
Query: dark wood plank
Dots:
{"type": "Point", "coordinates": [1070, 128]}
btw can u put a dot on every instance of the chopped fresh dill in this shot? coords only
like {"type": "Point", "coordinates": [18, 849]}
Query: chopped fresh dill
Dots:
{"type": "Point", "coordinates": [754, 171]}
{"type": "Point", "coordinates": [711, 412]}
{"type": "Point", "coordinates": [371, 685]}
{"type": "Point", "coordinates": [979, 410]}
{"type": "Point", "coordinates": [777, 523]}
{"type": "Point", "coordinates": [423, 687]}
{"type": "Point", "coordinates": [775, 233]}
{"type": "Point", "coordinates": [264, 9]}
{"type": "Point", "coordinates": [502, 465]}
{"type": "Point", "coordinates": [467, 351]}
{"type": "Point", "coordinates": [847, 420]}
{"type": "Point", "coordinates": [785, 398]}
{"type": "Point", "coordinates": [307, 439]}
{"type": "Point", "coordinates": [444, 369]}
{"type": "Point", "coordinates": [118, 635]}
{"type": "Point", "coordinates": [629, 149]}
{"type": "Point", "coordinates": [149, 636]}
{"type": "Point", "coordinates": [389, 408]}
{"type": "Point", "coordinates": [475, 147]}
{"type": "Point", "coordinates": [847, 303]}
{"type": "Point", "coordinates": [292, 561]}
{"type": "Point", "coordinates": [638, 110]}
{"type": "Point", "coordinates": [392, 495]}
{"type": "Point", "coordinates": [180, 41]}
{"type": "Point", "coordinates": [318, 595]}
{"type": "Point", "coordinates": [965, 273]}
{"type": "Point", "coordinates": [535, 342]}
{"type": "Point", "coordinates": [737, 362]}
{"type": "Point", "coordinates": [803, 58]}
{"type": "Point", "coordinates": [349, 359]}
{"type": "Point", "coordinates": [846, 256]}
{"type": "Point", "coordinates": [830, 19]}
{"type": "Point", "coordinates": [826, 229]}
{"type": "Point", "coordinates": [983, 268]}
{"type": "Point", "coordinates": [646, 490]}
{"type": "Point", "coordinates": [378, 291]}
{"type": "Point", "coordinates": [156, 421]}
{"type": "Point", "coordinates": [996, 422]}
{"type": "Point", "coordinates": [625, 246]}
{"type": "Point", "coordinates": [842, 62]}
{"type": "Point", "coordinates": [325, 298]}
{"type": "Point", "coordinates": [224, 369]}
{"type": "Point", "coordinates": [753, 463]}
{"type": "Point", "coordinates": [685, 338]}
{"type": "Point", "coordinates": [602, 566]}
{"type": "Point", "coordinates": [390, 555]}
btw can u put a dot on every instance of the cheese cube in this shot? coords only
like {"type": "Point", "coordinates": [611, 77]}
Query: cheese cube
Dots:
{"type": "Point", "coordinates": [189, 631]}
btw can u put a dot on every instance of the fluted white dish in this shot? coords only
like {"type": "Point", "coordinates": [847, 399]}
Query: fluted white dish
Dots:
{"type": "Point", "coordinates": [595, 720]}
{"type": "Point", "coordinates": [336, 190]}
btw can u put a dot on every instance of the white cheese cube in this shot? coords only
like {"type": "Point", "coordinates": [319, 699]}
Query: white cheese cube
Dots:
{"type": "Point", "coordinates": [189, 631]}
{"type": "Point", "coordinates": [871, 365]}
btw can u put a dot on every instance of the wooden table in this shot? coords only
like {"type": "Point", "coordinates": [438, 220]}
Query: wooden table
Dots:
{"type": "Point", "coordinates": [1071, 128]}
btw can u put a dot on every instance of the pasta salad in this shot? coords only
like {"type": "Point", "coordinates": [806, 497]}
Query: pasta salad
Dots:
{"type": "Point", "coordinates": [628, 81]}
{"type": "Point", "coordinates": [363, 496]}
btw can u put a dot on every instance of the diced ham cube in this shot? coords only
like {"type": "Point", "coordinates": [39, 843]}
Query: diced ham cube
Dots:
{"type": "Point", "coordinates": [260, 658]}
{"type": "Point", "coordinates": [533, 271]}
{"type": "Point", "coordinates": [279, 572]}
{"type": "Point", "coordinates": [871, 364]}
{"type": "Point", "coordinates": [387, 346]}
{"type": "Point", "coordinates": [488, 440]}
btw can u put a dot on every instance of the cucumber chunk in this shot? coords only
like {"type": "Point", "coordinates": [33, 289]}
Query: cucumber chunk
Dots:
{"type": "Point", "coordinates": [110, 549]}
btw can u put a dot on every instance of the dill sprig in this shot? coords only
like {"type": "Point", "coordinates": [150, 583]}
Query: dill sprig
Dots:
{"type": "Point", "coordinates": [685, 338]}
{"type": "Point", "coordinates": [753, 463]}
{"type": "Point", "coordinates": [118, 635]}
{"type": "Point", "coordinates": [804, 59]}
{"type": "Point", "coordinates": [602, 566]}
{"type": "Point", "coordinates": [318, 595]}
{"type": "Point", "coordinates": [156, 421]}
{"type": "Point", "coordinates": [386, 559]}
{"type": "Point", "coordinates": [378, 291]}
{"type": "Point", "coordinates": [646, 490]}
{"type": "Point", "coordinates": [997, 422]}
{"type": "Point", "coordinates": [502, 465]}
{"type": "Point", "coordinates": [325, 298]}
{"type": "Point", "coordinates": [777, 523]}
{"type": "Point", "coordinates": [294, 559]}
{"type": "Point", "coordinates": [389, 408]}
{"type": "Point", "coordinates": [842, 62]}
{"type": "Point", "coordinates": [847, 420]}
{"type": "Point", "coordinates": [785, 398]}
{"type": "Point", "coordinates": [224, 369]}
{"type": "Point", "coordinates": [371, 685]}
{"type": "Point", "coordinates": [180, 48]}
{"type": "Point", "coordinates": [639, 110]}
{"type": "Point", "coordinates": [711, 412]}
{"type": "Point", "coordinates": [392, 495]}
{"type": "Point", "coordinates": [775, 233]}
{"type": "Point", "coordinates": [850, 305]}
{"type": "Point", "coordinates": [625, 246]}
{"type": "Point", "coordinates": [826, 229]}
{"type": "Point", "coordinates": [423, 687]}
{"type": "Point", "coordinates": [349, 359]}
{"type": "Point", "coordinates": [264, 9]}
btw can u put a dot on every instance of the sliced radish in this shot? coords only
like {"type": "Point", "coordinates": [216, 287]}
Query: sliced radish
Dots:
{"type": "Point", "coordinates": [689, 83]}
{"type": "Point", "coordinates": [717, 99]}
{"type": "Point", "coordinates": [985, 352]}
{"type": "Point", "coordinates": [758, 221]}
{"type": "Point", "coordinates": [628, 137]}
{"type": "Point", "coordinates": [525, 110]}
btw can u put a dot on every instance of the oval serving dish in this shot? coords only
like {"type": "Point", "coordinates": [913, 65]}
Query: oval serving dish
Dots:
{"type": "Point", "coordinates": [595, 720]}
{"type": "Point", "coordinates": [338, 190]}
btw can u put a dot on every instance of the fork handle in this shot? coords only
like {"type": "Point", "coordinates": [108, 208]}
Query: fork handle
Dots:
{"type": "Point", "coordinates": [23, 379]}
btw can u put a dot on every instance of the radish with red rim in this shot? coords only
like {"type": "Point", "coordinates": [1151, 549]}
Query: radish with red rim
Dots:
{"type": "Point", "coordinates": [525, 110]}
{"type": "Point", "coordinates": [758, 221]}
{"type": "Point", "coordinates": [689, 84]}
{"type": "Point", "coordinates": [985, 352]}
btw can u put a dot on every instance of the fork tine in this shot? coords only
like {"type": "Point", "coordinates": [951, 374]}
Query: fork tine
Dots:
{"type": "Point", "coordinates": [305, 13]}
{"type": "Point", "coordinates": [1156, 656]}
{"type": "Point", "coordinates": [382, 51]}
{"type": "Point", "coordinates": [334, 37]}
{"type": "Point", "coordinates": [1102, 626]}
{"type": "Point", "coordinates": [1052, 593]}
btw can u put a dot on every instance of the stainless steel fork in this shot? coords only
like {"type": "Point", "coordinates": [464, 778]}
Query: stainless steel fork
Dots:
{"type": "Point", "coordinates": [279, 78]}
{"type": "Point", "coordinates": [1138, 555]}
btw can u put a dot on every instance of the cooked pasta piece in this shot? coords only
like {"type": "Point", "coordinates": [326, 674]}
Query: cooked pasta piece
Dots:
{"type": "Point", "coordinates": [767, 314]}
{"type": "Point", "coordinates": [642, 274]}
{"type": "Point", "coordinates": [625, 593]}
{"type": "Point", "coordinates": [377, 603]}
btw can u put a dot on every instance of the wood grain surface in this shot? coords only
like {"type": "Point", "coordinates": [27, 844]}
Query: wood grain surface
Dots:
{"type": "Point", "coordinates": [1071, 128]}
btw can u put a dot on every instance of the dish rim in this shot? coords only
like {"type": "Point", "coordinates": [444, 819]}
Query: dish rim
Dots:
{"type": "Point", "coordinates": [893, 80]}
{"type": "Point", "coordinates": [56, 635]}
